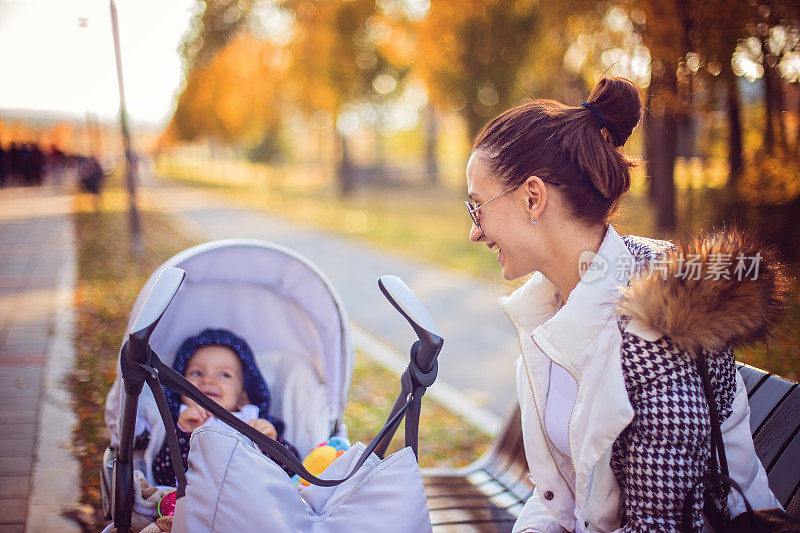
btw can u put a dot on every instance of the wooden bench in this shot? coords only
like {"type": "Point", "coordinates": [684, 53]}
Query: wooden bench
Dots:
{"type": "Point", "coordinates": [488, 495]}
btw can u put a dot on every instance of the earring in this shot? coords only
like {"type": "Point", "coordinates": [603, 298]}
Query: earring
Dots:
{"type": "Point", "coordinates": [533, 220]}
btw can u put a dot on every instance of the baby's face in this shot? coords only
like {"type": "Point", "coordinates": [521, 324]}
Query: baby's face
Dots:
{"type": "Point", "coordinates": [217, 372]}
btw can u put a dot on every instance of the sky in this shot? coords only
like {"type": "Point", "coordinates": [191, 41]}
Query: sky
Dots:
{"type": "Point", "coordinates": [48, 62]}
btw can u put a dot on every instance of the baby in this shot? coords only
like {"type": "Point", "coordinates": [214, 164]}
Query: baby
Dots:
{"type": "Point", "coordinates": [222, 366]}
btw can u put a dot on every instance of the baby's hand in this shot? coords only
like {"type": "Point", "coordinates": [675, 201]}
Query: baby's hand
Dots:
{"type": "Point", "coordinates": [192, 418]}
{"type": "Point", "coordinates": [265, 427]}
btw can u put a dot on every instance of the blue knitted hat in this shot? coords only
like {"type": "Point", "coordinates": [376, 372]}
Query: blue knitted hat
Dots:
{"type": "Point", "coordinates": [254, 384]}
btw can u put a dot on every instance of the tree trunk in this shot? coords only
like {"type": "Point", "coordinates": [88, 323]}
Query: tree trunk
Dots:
{"type": "Point", "coordinates": [344, 169]}
{"type": "Point", "coordinates": [769, 129]}
{"type": "Point", "coordinates": [664, 178]}
{"type": "Point", "coordinates": [431, 138]}
{"type": "Point", "coordinates": [777, 91]}
{"type": "Point", "coordinates": [797, 132]}
{"type": "Point", "coordinates": [734, 129]}
{"type": "Point", "coordinates": [474, 120]}
{"type": "Point", "coordinates": [378, 173]}
{"type": "Point", "coordinates": [663, 129]}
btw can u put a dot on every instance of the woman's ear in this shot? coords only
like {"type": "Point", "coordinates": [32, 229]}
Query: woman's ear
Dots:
{"type": "Point", "coordinates": [535, 195]}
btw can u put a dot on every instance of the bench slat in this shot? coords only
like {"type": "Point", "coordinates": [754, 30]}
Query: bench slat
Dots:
{"type": "Point", "coordinates": [488, 516]}
{"type": "Point", "coordinates": [778, 430]}
{"type": "Point", "coordinates": [513, 475]}
{"type": "Point", "coordinates": [443, 504]}
{"type": "Point", "coordinates": [753, 377]}
{"type": "Point", "coordinates": [765, 399]}
{"type": "Point", "coordinates": [522, 489]}
{"type": "Point", "coordinates": [474, 526]}
{"type": "Point", "coordinates": [793, 509]}
{"type": "Point", "coordinates": [509, 446]}
{"type": "Point", "coordinates": [783, 477]}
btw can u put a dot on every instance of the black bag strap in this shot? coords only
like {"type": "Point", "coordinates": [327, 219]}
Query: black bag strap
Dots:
{"type": "Point", "coordinates": [717, 444]}
{"type": "Point", "coordinates": [163, 373]}
{"type": "Point", "coordinates": [718, 472]}
{"type": "Point", "coordinates": [719, 461]}
{"type": "Point", "coordinates": [172, 437]}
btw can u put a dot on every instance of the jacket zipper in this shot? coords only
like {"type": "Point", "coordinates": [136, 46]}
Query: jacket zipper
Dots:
{"type": "Point", "coordinates": [569, 419]}
{"type": "Point", "coordinates": [536, 407]}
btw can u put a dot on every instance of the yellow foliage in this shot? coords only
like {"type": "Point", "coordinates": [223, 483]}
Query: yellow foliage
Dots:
{"type": "Point", "coordinates": [769, 179]}
{"type": "Point", "coordinates": [468, 53]}
{"type": "Point", "coordinates": [232, 98]}
{"type": "Point", "coordinates": [331, 56]}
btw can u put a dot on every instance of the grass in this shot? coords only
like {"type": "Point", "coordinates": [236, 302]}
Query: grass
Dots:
{"type": "Point", "coordinates": [109, 280]}
{"type": "Point", "coordinates": [444, 439]}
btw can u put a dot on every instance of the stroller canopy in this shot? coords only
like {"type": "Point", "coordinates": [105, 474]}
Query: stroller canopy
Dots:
{"type": "Point", "coordinates": [275, 298]}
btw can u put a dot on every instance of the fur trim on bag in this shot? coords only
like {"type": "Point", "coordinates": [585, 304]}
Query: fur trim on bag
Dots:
{"type": "Point", "coordinates": [695, 295]}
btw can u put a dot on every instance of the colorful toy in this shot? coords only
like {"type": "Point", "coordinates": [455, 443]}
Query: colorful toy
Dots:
{"type": "Point", "coordinates": [166, 505]}
{"type": "Point", "coordinates": [323, 455]}
{"type": "Point", "coordinates": [340, 443]}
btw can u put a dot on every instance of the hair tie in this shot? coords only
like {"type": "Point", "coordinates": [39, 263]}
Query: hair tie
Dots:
{"type": "Point", "coordinates": [603, 126]}
{"type": "Point", "coordinates": [596, 114]}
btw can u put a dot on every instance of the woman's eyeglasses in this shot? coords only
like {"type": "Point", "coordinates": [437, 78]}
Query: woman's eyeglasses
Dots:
{"type": "Point", "coordinates": [472, 207]}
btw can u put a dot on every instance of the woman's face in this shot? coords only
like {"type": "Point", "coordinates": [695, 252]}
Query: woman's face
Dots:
{"type": "Point", "coordinates": [506, 222]}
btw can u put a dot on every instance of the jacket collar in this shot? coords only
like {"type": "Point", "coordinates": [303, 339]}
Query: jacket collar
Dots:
{"type": "Point", "coordinates": [563, 335]}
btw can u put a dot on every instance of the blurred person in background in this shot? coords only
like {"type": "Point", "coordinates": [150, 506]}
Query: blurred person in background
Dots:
{"type": "Point", "coordinates": [26, 164]}
{"type": "Point", "coordinates": [91, 176]}
{"type": "Point", "coordinates": [616, 427]}
{"type": "Point", "coordinates": [56, 162]}
{"type": "Point", "coordinates": [3, 166]}
{"type": "Point", "coordinates": [14, 164]}
{"type": "Point", "coordinates": [37, 163]}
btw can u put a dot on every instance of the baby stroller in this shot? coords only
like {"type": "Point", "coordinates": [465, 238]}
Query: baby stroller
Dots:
{"type": "Point", "coordinates": [298, 329]}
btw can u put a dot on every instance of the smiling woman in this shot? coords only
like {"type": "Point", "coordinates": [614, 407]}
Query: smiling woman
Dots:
{"type": "Point", "coordinates": [571, 149]}
{"type": "Point", "coordinates": [614, 414]}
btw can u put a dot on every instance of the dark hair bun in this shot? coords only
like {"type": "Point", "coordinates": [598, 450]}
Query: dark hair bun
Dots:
{"type": "Point", "coordinates": [620, 103]}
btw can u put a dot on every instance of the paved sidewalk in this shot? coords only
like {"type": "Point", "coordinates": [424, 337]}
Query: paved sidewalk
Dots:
{"type": "Point", "coordinates": [480, 344]}
{"type": "Point", "coordinates": [38, 476]}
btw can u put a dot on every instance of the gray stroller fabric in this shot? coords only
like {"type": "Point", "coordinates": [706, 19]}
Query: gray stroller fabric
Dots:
{"type": "Point", "coordinates": [232, 486]}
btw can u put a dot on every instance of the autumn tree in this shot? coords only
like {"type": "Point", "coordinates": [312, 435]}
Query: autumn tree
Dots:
{"type": "Point", "coordinates": [468, 53]}
{"type": "Point", "coordinates": [231, 98]}
{"type": "Point", "coordinates": [689, 40]}
{"type": "Point", "coordinates": [214, 25]}
{"type": "Point", "coordinates": [233, 70]}
{"type": "Point", "coordinates": [333, 61]}
{"type": "Point", "coordinates": [776, 29]}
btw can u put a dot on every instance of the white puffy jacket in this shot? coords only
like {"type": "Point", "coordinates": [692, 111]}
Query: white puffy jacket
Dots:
{"type": "Point", "coordinates": [581, 492]}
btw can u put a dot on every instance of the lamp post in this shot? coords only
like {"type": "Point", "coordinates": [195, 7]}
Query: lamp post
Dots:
{"type": "Point", "coordinates": [91, 145]}
{"type": "Point", "coordinates": [126, 140]}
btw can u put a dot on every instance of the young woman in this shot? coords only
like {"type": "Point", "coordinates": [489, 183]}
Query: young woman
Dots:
{"type": "Point", "coordinates": [615, 420]}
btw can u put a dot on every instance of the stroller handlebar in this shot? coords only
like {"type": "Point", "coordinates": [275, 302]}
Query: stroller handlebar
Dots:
{"type": "Point", "coordinates": [155, 304]}
{"type": "Point", "coordinates": [407, 303]}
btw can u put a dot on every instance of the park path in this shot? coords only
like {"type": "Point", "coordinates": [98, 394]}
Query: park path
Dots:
{"type": "Point", "coordinates": [38, 475]}
{"type": "Point", "coordinates": [476, 365]}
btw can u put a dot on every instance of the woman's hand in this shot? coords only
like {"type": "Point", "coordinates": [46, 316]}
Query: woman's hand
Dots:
{"type": "Point", "coordinates": [192, 418]}
{"type": "Point", "coordinates": [264, 426]}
